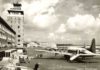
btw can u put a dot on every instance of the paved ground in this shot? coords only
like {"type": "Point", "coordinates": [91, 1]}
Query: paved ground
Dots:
{"type": "Point", "coordinates": [61, 64]}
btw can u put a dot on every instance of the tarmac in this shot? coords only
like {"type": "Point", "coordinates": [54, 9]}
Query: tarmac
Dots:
{"type": "Point", "coordinates": [59, 63]}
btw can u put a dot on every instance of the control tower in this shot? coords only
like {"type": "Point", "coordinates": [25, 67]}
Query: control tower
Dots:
{"type": "Point", "coordinates": [16, 20]}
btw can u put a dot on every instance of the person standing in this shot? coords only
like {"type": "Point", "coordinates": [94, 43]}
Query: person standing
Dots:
{"type": "Point", "coordinates": [36, 66]}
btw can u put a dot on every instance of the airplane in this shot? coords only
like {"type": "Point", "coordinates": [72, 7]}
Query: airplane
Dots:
{"type": "Point", "coordinates": [76, 53]}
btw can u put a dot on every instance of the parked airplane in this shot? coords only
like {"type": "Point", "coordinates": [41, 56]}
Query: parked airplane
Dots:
{"type": "Point", "coordinates": [76, 53]}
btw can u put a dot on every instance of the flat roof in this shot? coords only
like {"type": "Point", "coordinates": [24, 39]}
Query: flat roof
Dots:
{"type": "Point", "coordinates": [5, 49]}
{"type": "Point", "coordinates": [10, 50]}
{"type": "Point", "coordinates": [3, 22]}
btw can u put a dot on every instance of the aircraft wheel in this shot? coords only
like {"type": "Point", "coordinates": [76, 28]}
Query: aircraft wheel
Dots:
{"type": "Point", "coordinates": [41, 55]}
{"type": "Point", "coordinates": [67, 57]}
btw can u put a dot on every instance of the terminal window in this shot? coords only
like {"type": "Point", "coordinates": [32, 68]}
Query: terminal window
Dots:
{"type": "Point", "coordinates": [18, 35]}
{"type": "Point", "coordinates": [18, 26]}
{"type": "Point", "coordinates": [18, 44]}
{"type": "Point", "coordinates": [18, 40]}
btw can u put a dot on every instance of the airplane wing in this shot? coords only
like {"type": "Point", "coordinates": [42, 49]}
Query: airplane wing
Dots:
{"type": "Point", "coordinates": [83, 55]}
{"type": "Point", "coordinates": [89, 54]}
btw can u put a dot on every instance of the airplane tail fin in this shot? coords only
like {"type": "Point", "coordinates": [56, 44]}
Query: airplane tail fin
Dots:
{"type": "Point", "coordinates": [93, 47]}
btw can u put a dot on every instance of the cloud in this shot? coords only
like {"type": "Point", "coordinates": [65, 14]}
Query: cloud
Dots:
{"type": "Point", "coordinates": [44, 20]}
{"type": "Point", "coordinates": [54, 37]}
{"type": "Point", "coordinates": [95, 6]}
{"type": "Point", "coordinates": [83, 27]}
{"type": "Point", "coordinates": [66, 20]}
{"type": "Point", "coordinates": [40, 12]}
{"type": "Point", "coordinates": [3, 10]}
{"type": "Point", "coordinates": [79, 8]}
{"type": "Point", "coordinates": [51, 34]}
{"type": "Point", "coordinates": [61, 28]}
{"type": "Point", "coordinates": [78, 28]}
{"type": "Point", "coordinates": [81, 22]}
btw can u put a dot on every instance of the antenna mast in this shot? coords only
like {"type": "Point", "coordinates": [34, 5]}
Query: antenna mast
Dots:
{"type": "Point", "coordinates": [15, 1]}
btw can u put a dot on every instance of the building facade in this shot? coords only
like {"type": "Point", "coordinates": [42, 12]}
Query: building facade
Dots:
{"type": "Point", "coordinates": [7, 34]}
{"type": "Point", "coordinates": [16, 20]}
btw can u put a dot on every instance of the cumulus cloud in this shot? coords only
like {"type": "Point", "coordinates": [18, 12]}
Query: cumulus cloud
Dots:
{"type": "Point", "coordinates": [79, 8]}
{"type": "Point", "coordinates": [77, 29]}
{"type": "Point", "coordinates": [52, 36]}
{"type": "Point", "coordinates": [40, 12]}
{"type": "Point", "coordinates": [95, 6]}
{"type": "Point", "coordinates": [61, 28]}
{"type": "Point", "coordinates": [81, 22]}
{"type": "Point", "coordinates": [43, 21]}
{"type": "Point", "coordinates": [83, 26]}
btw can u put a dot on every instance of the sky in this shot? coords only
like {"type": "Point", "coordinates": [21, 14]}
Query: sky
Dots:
{"type": "Point", "coordinates": [59, 21]}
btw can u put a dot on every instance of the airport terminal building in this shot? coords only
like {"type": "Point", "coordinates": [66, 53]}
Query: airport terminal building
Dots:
{"type": "Point", "coordinates": [7, 34]}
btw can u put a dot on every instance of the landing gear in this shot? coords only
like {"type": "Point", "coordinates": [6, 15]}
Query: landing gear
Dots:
{"type": "Point", "coordinates": [39, 56]}
{"type": "Point", "coordinates": [67, 58]}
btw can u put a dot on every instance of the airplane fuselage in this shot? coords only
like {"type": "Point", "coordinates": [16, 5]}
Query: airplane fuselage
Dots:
{"type": "Point", "coordinates": [77, 50]}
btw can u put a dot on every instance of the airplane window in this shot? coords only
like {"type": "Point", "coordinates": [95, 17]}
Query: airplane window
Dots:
{"type": "Point", "coordinates": [72, 51]}
{"type": "Point", "coordinates": [82, 52]}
